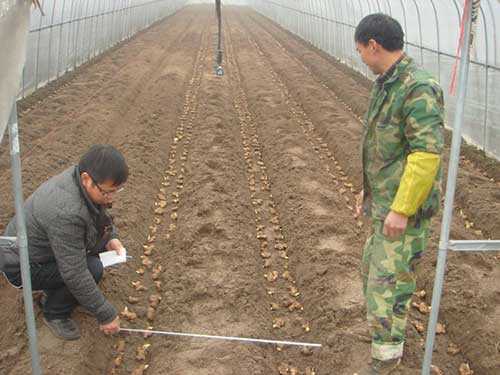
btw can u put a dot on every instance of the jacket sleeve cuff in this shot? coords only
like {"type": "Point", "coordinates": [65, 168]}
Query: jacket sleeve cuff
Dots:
{"type": "Point", "coordinates": [114, 233]}
{"type": "Point", "coordinates": [106, 314]}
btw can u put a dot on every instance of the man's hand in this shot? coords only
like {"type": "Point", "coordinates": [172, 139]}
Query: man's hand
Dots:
{"type": "Point", "coordinates": [359, 204]}
{"type": "Point", "coordinates": [111, 328]}
{"type": "Point", "coordinates": [395, 225]}
{"type": "Point", "coordinates": [115, 245]}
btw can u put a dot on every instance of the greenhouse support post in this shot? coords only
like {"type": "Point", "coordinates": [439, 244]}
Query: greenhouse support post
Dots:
{"type": "Point", "coordinates": [22, 239]}
{"type": "Point", "coordinates": [450, 192]}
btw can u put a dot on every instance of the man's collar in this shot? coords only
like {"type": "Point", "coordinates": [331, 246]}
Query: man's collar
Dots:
{"type": "Point", "coordinates": [394, 71]}
{"type": "Point", "coordinates": [91, 205]}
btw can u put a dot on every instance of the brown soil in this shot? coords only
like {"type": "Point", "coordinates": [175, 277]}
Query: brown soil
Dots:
{"type": "Point", "coordinates": [257, 171]}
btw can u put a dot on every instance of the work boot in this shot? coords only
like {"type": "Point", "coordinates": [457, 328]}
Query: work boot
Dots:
{"type": "Point", "coordinates": [65, 329]}
{"type": "Point", "coordinates": [380, 367]}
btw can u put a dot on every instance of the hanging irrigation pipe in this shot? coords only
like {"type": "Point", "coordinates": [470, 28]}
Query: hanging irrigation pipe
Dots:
{"type": "Point", "coordinates": [218, 69]}
{"type": "Point", "coordinates": [225, 338]}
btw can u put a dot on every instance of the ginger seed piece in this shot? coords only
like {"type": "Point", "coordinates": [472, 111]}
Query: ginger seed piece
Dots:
{"type": "Point", "coordinates": [128, 315]}
{"type": "Point", "coordinates": [420, 293]}
{"type": "Point", "coordinates": [118, 360]}
{"type": "Point", "coordinates": [272, 276]}
{"type": "Point", "coordinates": [140, 353]}
{"type": "Point", "coordinates": [146, 262]}
{"type": "Point", "coordinates": [283, 255]}
{"type": "Point", "coordinates": [274, 306]}
{"type": "Point", "coordinates": [418, 326]}
{"type": "Point", "coordinates": [140, 271]}
{"type": "Point", "coordinates": [151, 314]}
{"type": "Point", "coordinates": [306, 327]}
{"type": "Point", "coordinates": [294, 292]}
{"type": "Point", "coordinates": [305, 351]}
{"type": "Point", "coordinates": [422, 307]}
{"type": "Point", "coordinates": [278, 323]}
{"type": "Point", "coordinates": [120, 347]}
{"type": "Point", "coordinates": [158, 286]}
{"type": "Point", "coordinates": [283, 369]}
{"type": "Point", "coordinates": [265, 254]}
{"type": "Point", "coordinates": [138, 286]}
{"type": "Point", "coordinates": [465, 369]}
{"type": "Point", "coordinates": [159, 211]}
{"type": "Point", "coordinates": [440, 329]}
{"type": "Point", "coordinates": [133, 300]}
{"type": "Point", "coordinates": [148, 250]}
{"type": "Point", "coordinates": [436, 370]}
{"type": "Point", "coordinates": [154, 300]}
{"type": "Point", "coordinates": [295, 306]}
{"type": "Point", "coordinates": [453, 349]}
{"type": "Point", "coordinates": [139, 370]}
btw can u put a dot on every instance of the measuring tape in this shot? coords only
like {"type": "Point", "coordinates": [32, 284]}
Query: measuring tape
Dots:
{"type": "Point", "coordinates": [226, 338]}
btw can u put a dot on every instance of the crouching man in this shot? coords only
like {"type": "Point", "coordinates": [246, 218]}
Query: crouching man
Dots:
{"type": "Point", "coordinates": [67, 227]}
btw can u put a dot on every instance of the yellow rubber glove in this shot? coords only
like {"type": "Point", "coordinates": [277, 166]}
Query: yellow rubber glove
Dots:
{"type": "Point", "coordinates": [416, 183]}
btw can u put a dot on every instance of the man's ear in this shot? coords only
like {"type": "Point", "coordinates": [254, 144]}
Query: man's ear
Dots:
{"type": "Point", "coordinates": [85, 178]}
{"type": "Point", "coordinates": [373, 45]}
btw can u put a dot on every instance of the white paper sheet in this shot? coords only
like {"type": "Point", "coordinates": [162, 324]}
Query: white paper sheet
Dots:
{"type": "Point", "coordinates": [110, 258]}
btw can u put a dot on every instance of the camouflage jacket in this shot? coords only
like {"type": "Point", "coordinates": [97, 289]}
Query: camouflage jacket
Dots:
{"type": "Point", "coordinates": [406, 114]}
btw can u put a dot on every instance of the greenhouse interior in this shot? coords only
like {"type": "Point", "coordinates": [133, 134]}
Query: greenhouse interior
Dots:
{"type": "Point", "coordinates": [250, 187]}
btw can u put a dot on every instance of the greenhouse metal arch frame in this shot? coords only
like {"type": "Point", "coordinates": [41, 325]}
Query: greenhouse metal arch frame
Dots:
{"type": "Point", "coordinates": [330, 25]}
{"type": "Point", "coordinates": [312, 28]}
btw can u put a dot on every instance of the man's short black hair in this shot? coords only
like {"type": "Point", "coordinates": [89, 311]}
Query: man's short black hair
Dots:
{"type": "Point", "coordinates": [104, 163]}
{"type": "Point", "coordinates": [382, 28]}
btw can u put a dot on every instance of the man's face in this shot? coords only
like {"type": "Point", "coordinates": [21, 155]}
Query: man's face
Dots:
{"type": "Point", "coordinates": [370, 55]}
{"type": "Point", "coordinates": [101, 194]}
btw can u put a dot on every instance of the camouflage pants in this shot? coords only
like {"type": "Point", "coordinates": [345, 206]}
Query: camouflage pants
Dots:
{"type": "Point", "coordinates": [389, 281]}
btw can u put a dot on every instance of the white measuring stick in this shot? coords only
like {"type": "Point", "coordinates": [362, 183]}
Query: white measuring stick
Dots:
{"type": "Point", "coordinates": [229, 338]}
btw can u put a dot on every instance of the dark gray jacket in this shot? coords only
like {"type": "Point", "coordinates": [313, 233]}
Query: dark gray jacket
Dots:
{"type": "Point", "coordinates": [63, 225]}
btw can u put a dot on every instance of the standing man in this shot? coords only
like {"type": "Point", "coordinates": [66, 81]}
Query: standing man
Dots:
{"type": "Point", "coordinates": [402, 146]}
{"type": "Point", "coordinates": [67, 227]}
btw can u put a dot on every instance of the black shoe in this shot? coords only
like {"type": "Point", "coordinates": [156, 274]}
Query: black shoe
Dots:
{"type": "Point", "coordinates": [65, 329]}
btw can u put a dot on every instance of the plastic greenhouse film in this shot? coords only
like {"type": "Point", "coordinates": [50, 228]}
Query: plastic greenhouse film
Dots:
{"type": "Point", "coordinates": [14, 24]}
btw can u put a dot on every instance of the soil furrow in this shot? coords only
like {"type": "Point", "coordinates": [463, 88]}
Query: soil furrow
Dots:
{"type": "Point", "coordinates": [149, 285]}
{"type": "Point", "coordinates": [285, 297]}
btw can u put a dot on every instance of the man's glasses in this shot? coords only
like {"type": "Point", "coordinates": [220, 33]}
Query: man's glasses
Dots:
{"type": "Point", "coordinates": [105, 193]}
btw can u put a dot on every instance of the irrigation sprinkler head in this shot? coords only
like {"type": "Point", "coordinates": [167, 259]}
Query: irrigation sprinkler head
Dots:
{"type": "Point", "coordinates": [219, 71]}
